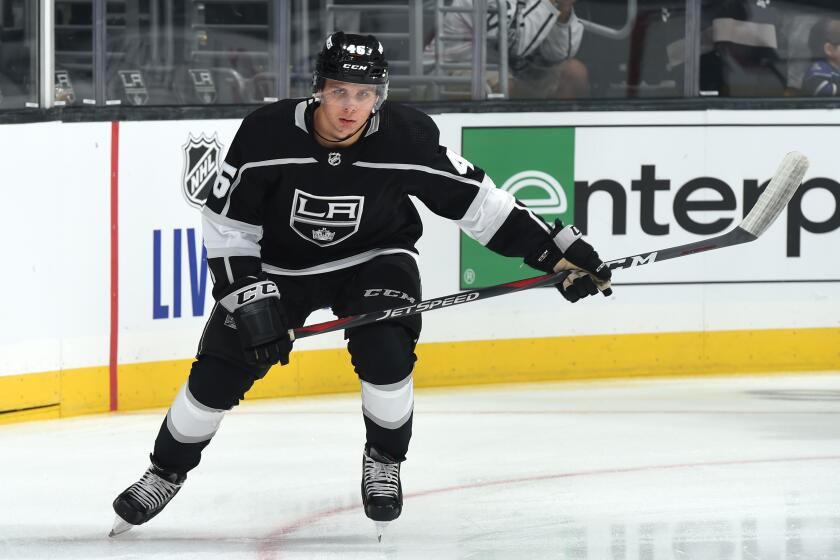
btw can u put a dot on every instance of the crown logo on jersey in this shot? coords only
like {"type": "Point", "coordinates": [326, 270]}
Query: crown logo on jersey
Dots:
{"type": "Point", "coordinates": [334, 158]}
{"type": "Point", "coordinates": [323, 234]}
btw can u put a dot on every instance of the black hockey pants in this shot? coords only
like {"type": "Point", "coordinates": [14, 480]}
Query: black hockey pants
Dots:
{"type": "Point", "coordinates": [382, 355]}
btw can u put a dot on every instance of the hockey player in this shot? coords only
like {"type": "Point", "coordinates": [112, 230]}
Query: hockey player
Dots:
{"type": "Point", "coordinates": [312, 210]}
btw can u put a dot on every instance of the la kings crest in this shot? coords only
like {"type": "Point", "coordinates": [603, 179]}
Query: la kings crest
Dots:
{"type": "Point", "coordinates": [325, 220]}
{"type": "Point", "coordinates": [201, 167]}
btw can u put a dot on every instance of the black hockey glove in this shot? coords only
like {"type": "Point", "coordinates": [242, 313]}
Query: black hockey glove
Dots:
{"type": "Point", "coordinates": [566, 250]}
{"type": "Point", "coordinates": [260, 321]}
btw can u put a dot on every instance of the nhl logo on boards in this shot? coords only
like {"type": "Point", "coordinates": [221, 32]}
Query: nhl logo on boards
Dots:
{"type": "Point", "coordinates": [334, 158]}
{"type": "Point", "coordinates": [325, 220]}
{"type": "Point", "coordinates": [201, 167]}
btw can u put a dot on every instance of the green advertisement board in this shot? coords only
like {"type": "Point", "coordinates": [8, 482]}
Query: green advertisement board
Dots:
{"type": "Point", "coordinates": [534, 164]}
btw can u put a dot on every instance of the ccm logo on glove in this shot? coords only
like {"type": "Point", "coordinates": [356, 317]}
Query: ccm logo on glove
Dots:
{"type": "Point", "coordinates": [260, 320]}
{"type": "Point", "coordinates": [251, 293]}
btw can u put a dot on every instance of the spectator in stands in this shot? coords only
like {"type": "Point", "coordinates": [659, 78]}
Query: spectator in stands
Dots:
{"type": "Point", "coordinates": [739, 49]}
{"type": "Point", "coordinates": [543, 38]}
{"type": "Point", "coordinates": [823, 77]}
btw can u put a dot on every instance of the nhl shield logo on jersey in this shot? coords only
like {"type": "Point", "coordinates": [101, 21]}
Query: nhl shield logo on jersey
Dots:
{"type": "Point", "coordinates": [334, 158]}
{"type": "Point", "coordinates": [325, 220]}
{"type": "Point", "coordinates": [201, 167]}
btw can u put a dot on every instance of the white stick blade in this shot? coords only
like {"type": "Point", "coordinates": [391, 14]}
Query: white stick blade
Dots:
{"type": "Point", "coordinates": [776, 196]}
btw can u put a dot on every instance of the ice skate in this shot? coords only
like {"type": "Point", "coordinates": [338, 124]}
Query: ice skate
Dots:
{"type": "Point", "coordinates": [381, 488]}
{"type": "Point", "coordinates": [145, 498]}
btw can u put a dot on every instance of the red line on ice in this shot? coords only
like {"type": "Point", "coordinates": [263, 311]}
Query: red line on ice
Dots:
{"type": "Point", "coordinates": [270, 547]}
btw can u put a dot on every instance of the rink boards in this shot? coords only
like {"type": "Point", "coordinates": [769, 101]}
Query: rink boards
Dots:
{"type": "Point", "coordinates": [107, 291]}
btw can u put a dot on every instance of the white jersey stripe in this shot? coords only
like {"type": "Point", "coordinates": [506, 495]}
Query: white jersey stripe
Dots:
{"type": "Point", "coordinates": [225, 237]}
{"type": "Point", "coordinates": [266, 163]}
{"type": "Point", "coordinates": [413, 167]}
{"type": "Point", "coordinates": [488, 211]}
{"type": "Point", "coordinates": [338, 264]}
{"type": "Point", "coordinates": [208, 214]}
{"type": "Point", "coordinates": [300, 112]}
{"type": "Point", "coordinates": [537, 219]}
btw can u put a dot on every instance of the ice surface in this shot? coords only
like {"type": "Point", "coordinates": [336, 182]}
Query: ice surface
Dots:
{"type": "Point", "coordinates": [713, 469]}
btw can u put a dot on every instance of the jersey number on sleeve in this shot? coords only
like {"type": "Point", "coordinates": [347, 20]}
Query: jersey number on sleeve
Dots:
{"type": "Point", "coordinates": [460, 164]}
{"type": "Point", "coordinates": [222, 185]}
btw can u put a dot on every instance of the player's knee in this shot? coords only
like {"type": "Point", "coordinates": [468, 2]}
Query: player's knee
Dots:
{"type": "Point", "coordinates": [218, 383]}
{"type": "Point", "coordinates": [189, 421]}
{"type": "Point", "coordinates": [382, 354]}
{"type": "Point", "coordinates": [214, 386]}
{"type": "Point", "coordinates": [389, 406]}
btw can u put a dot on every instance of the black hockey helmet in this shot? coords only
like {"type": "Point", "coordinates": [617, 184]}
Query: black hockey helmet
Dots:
{"type": "Point", "coordinates": [358, 59]}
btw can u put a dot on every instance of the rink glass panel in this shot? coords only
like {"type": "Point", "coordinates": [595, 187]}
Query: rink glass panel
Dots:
{"type": "Point", "coordinates": [18, 54]}
{"type": "Point", "coordinates": [188, 53]}
{"type": "Point", "coordinates": [215, 52]}
{"type": "Point", "coordinates": [769, 56]}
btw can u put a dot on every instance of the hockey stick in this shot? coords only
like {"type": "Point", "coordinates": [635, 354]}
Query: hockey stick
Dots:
{"type": "Point", "coordinates": [767, 208]}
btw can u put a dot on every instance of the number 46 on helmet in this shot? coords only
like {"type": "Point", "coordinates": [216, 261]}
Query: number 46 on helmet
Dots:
{"type": "Point", "coordinates": [357, 59]}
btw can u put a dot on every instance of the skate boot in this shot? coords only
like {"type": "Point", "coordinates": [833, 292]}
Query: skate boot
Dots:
{"type": "Point", "coordinates": [145, 498]}
{"type": "Point", "coordinates": [381, 488]}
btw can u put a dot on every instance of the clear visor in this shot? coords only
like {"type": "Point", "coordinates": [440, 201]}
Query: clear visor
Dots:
{"type": "Point", "coordinates": [347, 93]}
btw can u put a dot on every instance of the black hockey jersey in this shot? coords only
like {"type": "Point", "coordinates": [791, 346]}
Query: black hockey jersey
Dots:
{"type": "Point", "coordinates": [284, 204]}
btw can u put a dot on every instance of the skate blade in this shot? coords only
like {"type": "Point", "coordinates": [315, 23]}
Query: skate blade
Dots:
{"type": "Point", "coordinates": [380, 529]}
{"type": "Point", "coordinates": [120, 526]}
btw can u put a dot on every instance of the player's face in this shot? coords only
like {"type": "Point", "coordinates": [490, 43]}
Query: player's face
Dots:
{"type": "Point", "coordinates": [346, 106]}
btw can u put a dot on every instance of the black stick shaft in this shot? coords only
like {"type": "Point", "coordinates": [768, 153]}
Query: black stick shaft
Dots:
{"type": "Point", "coordinates": [766, 210]}
{"type": "Point", "coordinates": [428, 305]}
{"type": "Point", "coordinates": [734, 237]}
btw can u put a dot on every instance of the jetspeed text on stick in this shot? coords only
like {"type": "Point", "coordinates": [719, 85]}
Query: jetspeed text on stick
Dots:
{"type": "Point", "coordinates": [429, 305]}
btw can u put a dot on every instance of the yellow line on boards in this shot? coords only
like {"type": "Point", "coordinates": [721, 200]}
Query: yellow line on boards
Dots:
{"type": "Point", "coordinates": [154, 384]}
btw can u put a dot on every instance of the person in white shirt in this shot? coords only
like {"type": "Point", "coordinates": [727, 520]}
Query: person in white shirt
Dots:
{"type": "Point", "coordinates": [544, 37]}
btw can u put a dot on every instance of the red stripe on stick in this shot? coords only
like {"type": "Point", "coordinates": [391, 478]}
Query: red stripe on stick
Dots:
{"type": "Point", "coordinates": [112, 353]}
{"type": "Point", "coordinates": [699, 250]}
{"type": "Point", "coordinates": [323, 326]}
{"type": "Point", "coordinates": [525, 282]}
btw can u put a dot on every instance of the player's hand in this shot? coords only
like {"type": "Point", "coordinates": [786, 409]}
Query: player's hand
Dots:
{"type": "Point", "coordinates": [578, 284]}
{"type": "Point", "coordinates": [567, 250]}
{"type": "Point", "coordinates": [260, 321]}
